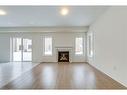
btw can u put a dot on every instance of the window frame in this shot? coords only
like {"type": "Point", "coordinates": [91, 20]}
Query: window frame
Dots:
{"type": "Point", "coordinates": [82, 46]}
{"type": "Point", "coordinates": [90, 45]}
{"type": "Point", "coordinates": [44, 38]}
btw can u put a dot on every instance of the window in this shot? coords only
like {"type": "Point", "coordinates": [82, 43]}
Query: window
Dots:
{"type": "Point", "coordinates": [48, 45]}
{"type": "Point", "coordinates": [90, 45]}
{"type": "Point", "coordinates": [79, 46]}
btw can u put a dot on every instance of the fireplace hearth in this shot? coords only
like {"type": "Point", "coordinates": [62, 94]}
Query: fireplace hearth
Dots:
{"type": "Point", "coordinates": [63, 56]}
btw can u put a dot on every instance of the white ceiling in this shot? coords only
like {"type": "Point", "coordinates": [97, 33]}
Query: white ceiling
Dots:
{"type": "Point", "coordinates": [49, 16]}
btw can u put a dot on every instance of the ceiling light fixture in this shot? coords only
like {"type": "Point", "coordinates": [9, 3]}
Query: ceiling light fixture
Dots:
{"type": "Point", "coordinates": [2, 12]}
{"type": "Point", "coordinates": [64, 11]}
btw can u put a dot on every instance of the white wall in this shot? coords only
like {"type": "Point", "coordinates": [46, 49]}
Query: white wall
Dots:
{"type": "Point", "coordinates": [4, 49]}
{"type": "Point", "coordinates": [59, 40]}
{"type": "Point", "coordinates": [110, 50]}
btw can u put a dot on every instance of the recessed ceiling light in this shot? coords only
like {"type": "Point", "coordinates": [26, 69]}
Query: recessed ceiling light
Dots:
{"type": "Point", "coordinates": [64, 11]}
{"type": "Point", "coordinates": [2, 12]}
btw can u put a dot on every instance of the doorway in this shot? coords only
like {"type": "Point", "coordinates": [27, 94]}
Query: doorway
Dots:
{"type": "Point", "coordinates": [21, 49]}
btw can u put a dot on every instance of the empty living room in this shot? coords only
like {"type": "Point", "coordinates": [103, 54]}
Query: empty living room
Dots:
{"type": "Point", "coordinates": [63, 47]}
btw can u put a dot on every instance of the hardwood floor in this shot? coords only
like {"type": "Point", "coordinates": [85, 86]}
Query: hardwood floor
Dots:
{"type": "Point", "coordinates": [12, 70]}
{"type": "Point", "coordinates": [63, 76]}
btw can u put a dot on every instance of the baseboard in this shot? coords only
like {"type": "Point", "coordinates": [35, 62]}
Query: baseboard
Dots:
{"type": "Point", "coordinates": [106, 74]}
{"type": "Point", "coordinates": [64, 62]}
{"type": "Point", "coordinates": [48, 62]}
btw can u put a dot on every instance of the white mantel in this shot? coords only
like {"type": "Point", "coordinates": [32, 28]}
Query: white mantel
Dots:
{"type": "Point", "coordinates": [65, 49]}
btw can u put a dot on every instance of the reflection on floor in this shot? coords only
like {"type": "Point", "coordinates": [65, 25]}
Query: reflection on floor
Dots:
{"type": "Point", "coordinates": [63, 76]}
{"type": "Point", "coordinates": [12, 70]}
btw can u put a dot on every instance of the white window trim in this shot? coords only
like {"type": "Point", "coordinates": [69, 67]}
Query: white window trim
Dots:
{"type": "Point", "coordinates": [44, 46]}
{"type": "Point", "coordinates": [82, 45]}
{"type": "Point", "coordinates": [90, 45]}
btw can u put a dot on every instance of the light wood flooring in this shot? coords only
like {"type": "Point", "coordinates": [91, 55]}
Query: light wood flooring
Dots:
{"type": "Point", "coordinates": [63, 76]}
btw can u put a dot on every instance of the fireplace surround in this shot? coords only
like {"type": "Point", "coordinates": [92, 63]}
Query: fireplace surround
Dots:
{"type": "Point", "coordinates": [67, 51]}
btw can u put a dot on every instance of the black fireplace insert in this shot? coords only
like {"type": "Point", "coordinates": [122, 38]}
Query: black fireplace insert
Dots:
{"type": "Point", "coordinates": [63, 56]}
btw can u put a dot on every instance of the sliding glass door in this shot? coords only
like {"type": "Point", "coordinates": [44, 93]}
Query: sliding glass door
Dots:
{"type": "Point", "coordinates": [17, 49]}
{"type": "Point", "coordinates": [27, 49]}
{"type": "Point", "coordinates": [21, 49]}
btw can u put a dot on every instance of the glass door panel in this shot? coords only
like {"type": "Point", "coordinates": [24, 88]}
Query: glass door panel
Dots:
{"type": "Point", "coordinates": [17, 49]}
{"type": "Point", "coordinates": [27, 50]}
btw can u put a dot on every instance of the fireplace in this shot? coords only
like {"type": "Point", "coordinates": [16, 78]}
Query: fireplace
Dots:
{"type": "Point", "coordinates": [63, 56]}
